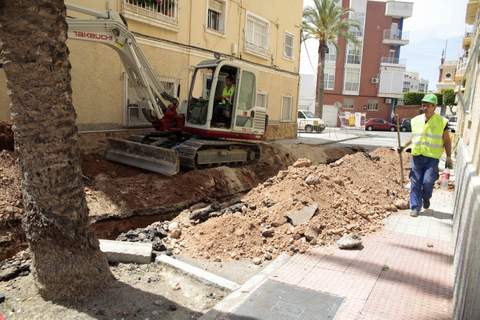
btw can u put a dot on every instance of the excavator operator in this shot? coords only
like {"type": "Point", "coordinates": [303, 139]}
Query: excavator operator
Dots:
{"type": "Point", "coordinates": [223, 109]}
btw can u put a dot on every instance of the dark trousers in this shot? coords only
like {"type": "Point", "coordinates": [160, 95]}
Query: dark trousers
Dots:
{"type": "Point", "coordinates": [423, 175]}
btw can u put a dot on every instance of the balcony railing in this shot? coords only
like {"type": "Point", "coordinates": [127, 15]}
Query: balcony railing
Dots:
{"type": "Point", "coordinates": [162, 10]}
{"type": "Point", "coordinates": [395, 34]}
{"type": "Point", "coordinates": [393, 60]}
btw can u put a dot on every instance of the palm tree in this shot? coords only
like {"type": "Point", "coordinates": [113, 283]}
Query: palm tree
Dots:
{"type": "Point", "coordinates": [66, 260]}
{"type": "Point", "coordinates": [326, 21]}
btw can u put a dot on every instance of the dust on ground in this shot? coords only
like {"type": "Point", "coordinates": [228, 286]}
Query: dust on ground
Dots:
{"type": "Point", "coordinates": [150, 291]}
{"type": "Point", "coordinates": [353, 196]}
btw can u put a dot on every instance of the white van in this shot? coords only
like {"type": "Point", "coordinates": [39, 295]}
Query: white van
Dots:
{"type": "Point", "coordinates": [307, 122]}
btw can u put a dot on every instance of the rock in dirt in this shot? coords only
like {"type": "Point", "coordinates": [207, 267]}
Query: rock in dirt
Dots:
{"type": "Point", "coordinates": [18, 265]}
{"type": "Point", "coordinates": [268, 232]}
{"type": "Point", "coordinates": [257, 261]}
{"type": "Point", "coordinates": [312, 180]}
{"type": "Point", "coordinates": [302, 216]}
{"type": "Point", "coordinates": [301, 163]}
{"type": "Point", "coordinates": [310, 234]}
{"type": "Point", "coordinates": [201, 214]}
{"type": "Point", "coordinates": [401, 204]}
{"type": "Point", "coordinates": [2, 297]}
{"type": "Point", "coordinates": [349, 241]}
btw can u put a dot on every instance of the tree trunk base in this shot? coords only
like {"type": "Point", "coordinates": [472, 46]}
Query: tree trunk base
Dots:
{"type": "Point", "coordinates": [69, 274]}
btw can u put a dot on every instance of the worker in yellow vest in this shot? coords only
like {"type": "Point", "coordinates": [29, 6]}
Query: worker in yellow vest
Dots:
{"type": "Point", "coordinates": [430, 136]}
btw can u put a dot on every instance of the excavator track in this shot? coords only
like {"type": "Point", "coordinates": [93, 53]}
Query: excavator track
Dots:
{"type": "Point", "coordinates": [198, 153]}
{"type": "Point", "coordinates": [165, 155]}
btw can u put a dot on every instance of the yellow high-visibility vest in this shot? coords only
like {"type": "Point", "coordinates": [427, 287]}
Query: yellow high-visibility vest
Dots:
{"type": "Point", "coordinates": [427, 138]}
{"type": "Point", "coordinates": [228, 92]}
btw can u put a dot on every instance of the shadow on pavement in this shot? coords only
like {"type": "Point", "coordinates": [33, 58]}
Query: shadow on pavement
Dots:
{"type": "Point", "coordinates": [428, 286]}
{"type": "Point", "coordinates": [437, 214]}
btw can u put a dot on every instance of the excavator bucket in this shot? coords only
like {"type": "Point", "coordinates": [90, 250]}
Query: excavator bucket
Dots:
{"type": "Point", "coordinates": [145, 156]}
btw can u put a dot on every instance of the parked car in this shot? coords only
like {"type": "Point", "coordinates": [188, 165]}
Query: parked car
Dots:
{"type": "Point", "coordinates": [452, 124]}
{"type": "Point", "coordinates": [380, 125]}
{"type": "Point", "coordinates": [405, 125]}
{"type": "Point", "coordinates": [307, 122]}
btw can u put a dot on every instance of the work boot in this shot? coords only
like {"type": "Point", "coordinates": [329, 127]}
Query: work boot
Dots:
{"type": "Point", "coordinates": [426, 203]}
{"type": "Point", "coordinates": [414, 213]}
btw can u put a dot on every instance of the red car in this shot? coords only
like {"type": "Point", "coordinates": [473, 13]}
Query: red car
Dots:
{"type": "Point", "coordinates": [380, 125]}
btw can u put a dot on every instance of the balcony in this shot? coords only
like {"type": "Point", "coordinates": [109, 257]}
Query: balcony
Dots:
{"type": "Point", "coordinates": [467, 40]}
{"type": "Point", "coordinates": [161, 13]}
{"type": "Point", "coordinates": [399, 9]}
{"type": "Point", "coordinates": [393, 61]}
{"type": "Point", "coordinates": [461, 70]}
{"type": "Point", "coordinates": [472, 8]}
{"type": "Point", "coordinates": [395, 37]}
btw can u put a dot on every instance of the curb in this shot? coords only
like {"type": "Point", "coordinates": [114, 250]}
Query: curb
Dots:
{"type": "Point", "coordinates": [199, 274]}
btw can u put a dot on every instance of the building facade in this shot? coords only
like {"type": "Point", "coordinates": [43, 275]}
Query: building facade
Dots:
{"type": "Point", "coordinates": [413, 83]}
{"type": "Point", "coordinates": [446, 76]}
{"type": "Point", "coordinates": [466, 296]}
{"type": "Point", "coordinates": [176, 35]}
{"type": "Point", "coordinates": [368, 77]}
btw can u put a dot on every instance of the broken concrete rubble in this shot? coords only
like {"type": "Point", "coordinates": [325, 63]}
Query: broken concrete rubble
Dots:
{"type": "Point", "coordinates": [126, 252]}
{"type": "Point", "coordinates": [321, 214]}
{"type": "Point", "coordinates": [349, 241]}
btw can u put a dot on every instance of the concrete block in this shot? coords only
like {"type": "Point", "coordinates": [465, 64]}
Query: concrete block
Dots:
{"type": "Point", "coordinates": [126, 252]}
{"type": "Point", "coordinates": [302, 216]}
{"type": "Point", "coordinates": [202, 275]}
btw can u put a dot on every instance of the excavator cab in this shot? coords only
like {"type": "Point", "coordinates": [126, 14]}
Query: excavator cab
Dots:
{"type": "Point", "coordinates": [222, 101]}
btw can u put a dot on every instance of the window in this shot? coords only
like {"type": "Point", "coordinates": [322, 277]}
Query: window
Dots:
{"type": "Point", "coordinates": [135, 111]}
{"type": "Point", "coordinates": [331, 56]}
{"type": "Point", "coordinates": [354, 54]}
{"type": "Point", "coordinates": [300, 115]}
{"type": "Point", "coordinates": [289, 45]}
{"type": "Point", "coordinates": [287, 108]}
{"type": "Point", "coordinates": [247, 91]}
{"type": "Point", "coordinates": [162, 10]}
{"type": "Point", "coordinates": [352, 79]}
{"type": "Point", "coordinates": [348, 104]}
{"type": "Point", "coordinates": [256, 34]}
{"type": "Point", "coordinates": [216, 15]}
{"type": "Point", "coordinates": [329, 78]}
{"type": "Point", "coordinates": [262, 98]}
{"type": "Point", "coordinates": [372, 105]}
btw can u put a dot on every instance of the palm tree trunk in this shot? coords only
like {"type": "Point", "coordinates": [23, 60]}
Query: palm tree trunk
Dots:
{"type": "Point", "coordinates": [320, 80]}
{"type": "Point", "coordinates": [67, 262]}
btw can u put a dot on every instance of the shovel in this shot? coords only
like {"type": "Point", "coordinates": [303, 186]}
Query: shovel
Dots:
{"type": "Point", "coordinates": [400, 153]}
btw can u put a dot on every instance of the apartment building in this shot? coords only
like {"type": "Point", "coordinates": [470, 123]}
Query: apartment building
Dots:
{"type": "Point", "coordinates": [466, 295]}
{"type": "Point", "coordinates": [368, 77]}
{"type": "Point", "coordinates": [413, 83]}
{"type": "Point", "coordinates": [176, 35]}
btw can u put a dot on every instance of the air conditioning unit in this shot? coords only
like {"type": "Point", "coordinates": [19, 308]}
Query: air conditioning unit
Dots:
{"type": "Point", "coordinates": [388, 100]}
{"type": "Point", "coordinates": [375, 80]}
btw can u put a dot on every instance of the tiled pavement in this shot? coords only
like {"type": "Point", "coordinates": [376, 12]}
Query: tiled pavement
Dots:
{"type": "Point", "coordinates": [404, 272]}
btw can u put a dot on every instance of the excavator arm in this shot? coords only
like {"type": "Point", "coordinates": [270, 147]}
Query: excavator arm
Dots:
{"type": "Point", "coordinates": [110, 29]}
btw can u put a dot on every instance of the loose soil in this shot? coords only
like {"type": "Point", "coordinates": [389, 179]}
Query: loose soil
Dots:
{"type": "Point", "coordinates": [150, 291]}
{"type": "Point", "coordinates": [121, 198]}
{"type": "Point", "coordinates": [353, 195]}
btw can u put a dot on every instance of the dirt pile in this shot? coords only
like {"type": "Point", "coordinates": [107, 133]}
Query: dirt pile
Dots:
{"type": "Point", "coordinates": [6, 136]}
{"type": "Point", "coordinates": [352, 195]}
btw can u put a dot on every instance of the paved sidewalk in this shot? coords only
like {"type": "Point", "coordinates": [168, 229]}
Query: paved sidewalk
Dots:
{"type": "Point", "coordinates": [403, 272]}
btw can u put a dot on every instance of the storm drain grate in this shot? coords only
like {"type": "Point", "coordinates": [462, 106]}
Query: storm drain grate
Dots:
{"type": "Point", "coordinates": [280, 301]}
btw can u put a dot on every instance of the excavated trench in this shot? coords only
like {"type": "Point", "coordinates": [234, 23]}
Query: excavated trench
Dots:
{"type": "Point", "coordinates": [219, 185]}
{"type": "Point", "coordinates": [122, 198]}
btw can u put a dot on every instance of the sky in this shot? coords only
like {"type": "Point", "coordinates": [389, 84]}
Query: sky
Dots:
{"type": "Point", "coordinates": [433, 23]}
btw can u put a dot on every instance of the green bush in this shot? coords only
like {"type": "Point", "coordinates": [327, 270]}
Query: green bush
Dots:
{"type": "Point", "coordinates": [413, 98]}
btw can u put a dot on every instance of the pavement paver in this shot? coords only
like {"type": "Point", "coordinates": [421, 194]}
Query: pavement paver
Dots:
{"type": "Point", "coordinates": [403, 272]}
